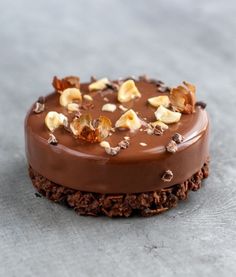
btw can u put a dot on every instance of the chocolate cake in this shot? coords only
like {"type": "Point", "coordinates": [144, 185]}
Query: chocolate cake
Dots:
{"type": "Point", "coordinates": [117, 148]}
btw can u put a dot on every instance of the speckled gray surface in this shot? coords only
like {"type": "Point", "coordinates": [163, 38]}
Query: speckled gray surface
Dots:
{"type": "Point", "coordinates": [171, 40]}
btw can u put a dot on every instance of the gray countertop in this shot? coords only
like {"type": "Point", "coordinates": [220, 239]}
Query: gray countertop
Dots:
{"type": "Point", "coordinates": [172, 40]}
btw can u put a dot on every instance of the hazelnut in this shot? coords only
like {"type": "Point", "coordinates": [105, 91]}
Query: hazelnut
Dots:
{"type": "Point", "coordinates": [128, 91]}
{"type": "Point", "coordinates": [129, 120]}
{"type": "Point", "coordinates": [69, 95]}
{"type": "Point", "coordinates": [88, 97]}
{"type": "Point", "coordinates": [183, 98]}
{"type": "Point", "coordinates": [157, 101]}
{"type": "Point", "coordinates": [99, 84]}
{"type": "Point", "coordinates": [167, 116]}
{"type": "Point", "coordinates": [109, 107]}
{"type": "Point", "coordinates": [53, 120]}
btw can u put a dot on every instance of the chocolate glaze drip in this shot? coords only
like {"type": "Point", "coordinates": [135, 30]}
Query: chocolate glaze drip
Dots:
{"type": "Point", "coordinates": [83, 166]}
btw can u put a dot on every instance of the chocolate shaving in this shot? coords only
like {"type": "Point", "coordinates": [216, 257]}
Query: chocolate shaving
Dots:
{"type": "Point", "coordinates": [113, 151]}
{"type": "Point", "coordinates": [39, 107]}
{"type": "Point", "coordinates": [154, 130]}
{"type": "Point", "coordinates": [144, 78]}
{"type": "Point", "coordinates": [52, 140]}
{"type": "Point", "coordinates": [41, 100]}
{"type": "Point", "coordinates": [123, 144]}
{"type": "Point", "coordinates": [67, 82]}
{"type": "Point", "coordinates": [163, 89]}
{"type": "Point", "coordinates": [177, 138]}
{"type": "Point", "coordinates": [112, 86]}
{"type": "Point", "coordinates": [167, 176]}
{"type": "Point", "coordinates": [158, 131]}
{"type": "Point", "coordinates": [201, 104]}
{"type": "Point", "coordinates": [154, 81]}
{"type": "Point", "coordinates": [93, 79]}
{"type": "Point", "coordinates": [129, 78]}
{"type": "Point", "coordinates": [171, 147]}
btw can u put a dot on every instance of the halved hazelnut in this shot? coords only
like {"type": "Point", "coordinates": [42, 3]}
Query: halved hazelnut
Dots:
{"type": "Point", "coordinates": [69, 95]}
{"type": "Point", "coordinates": [53, 120]}
{"type": "Point", "coordinates": [64, 83]}
{"type": "Point", "coordinates": [167, 116]}
{"type": "Point", "coordinates": [91, 130]}
{"type": "Point", "coordinates": [109, 107]}
{"type": "Point", "coordinates": [128, 91]}
{"type": "Point", "coordinates": [183, 98]}
{"type": "Point", "coordinates": [157, 101]}
{"type": "Point", "coordinates": [99, 84]}
{"type": "Point", "coordinates": [129, 120]}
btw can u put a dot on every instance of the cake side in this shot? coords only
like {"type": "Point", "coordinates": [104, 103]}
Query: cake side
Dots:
{"type": "Point", "coordinates": [119, 205]}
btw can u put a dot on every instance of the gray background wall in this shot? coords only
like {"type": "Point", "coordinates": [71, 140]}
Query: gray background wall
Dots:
{"type": "Point", "coordinates": [171, 40]}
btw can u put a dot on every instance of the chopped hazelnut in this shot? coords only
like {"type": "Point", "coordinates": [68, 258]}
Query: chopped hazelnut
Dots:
{"type": "Point", "coordinates": [128, 91]}
{"type": "Point", "coordinates": [67, 82]}
{"type": "Point", "coordinates": [105, 144]}
{"type": "Point", "coordinates": [123, 144]}
{"type": "Point", "coordinates": [69, 95]}
{"type": "Point", "coordinates": [52, 140]}
{"type": "Point", "coordinates": [157, 101]}
{"type": "Point", "coordinates": [122, 108]}
{"type": "Point", "coordinates": [109, 107]}
{"type": "Point", "coordinates": [113, 151]}
{"type": "Point", "coordinates": [39, 107]}
{"type": "Point", "coordinates": [143, 144]}
{"type": "Point", "coordinates": [88, 97]}
{"type": "Point", "coordinates": [167, 176]}
{"type": "Point", "coordinates": [129, 120]}
{"type": "Point", "coordinates": [171, 147]}
{"type": "Point", "coordinates": [167, 116]}
{"type": "Point", "coordinates": [53, 120]}
{"type": "Point", "coordinates": [99, 84]}
{"type": "Point", "coordinates": [73, 107]}
{"type": "Point", "coordinates": [183, 98]}
{"type": "Point", "coordinates": [177, 138]}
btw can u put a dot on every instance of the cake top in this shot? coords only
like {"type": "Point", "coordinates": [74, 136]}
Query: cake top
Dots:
{"type": "Point", "coordinates": [126, 118]}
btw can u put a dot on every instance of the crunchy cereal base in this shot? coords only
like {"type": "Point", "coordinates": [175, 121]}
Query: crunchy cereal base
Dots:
{"type": "Point", "coordinates": [118, 205]}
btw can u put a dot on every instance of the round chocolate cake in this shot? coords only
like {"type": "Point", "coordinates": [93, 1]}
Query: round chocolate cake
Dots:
{"type": "Point", "coordinates": [117, 148]}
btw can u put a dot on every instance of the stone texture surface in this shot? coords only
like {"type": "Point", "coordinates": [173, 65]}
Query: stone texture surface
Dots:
{"type": "Point", "coordinates": [172, 40]}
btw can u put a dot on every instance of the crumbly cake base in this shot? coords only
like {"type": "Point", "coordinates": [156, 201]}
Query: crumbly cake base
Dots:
{"type": "Point", "coordinates": [118, 205]}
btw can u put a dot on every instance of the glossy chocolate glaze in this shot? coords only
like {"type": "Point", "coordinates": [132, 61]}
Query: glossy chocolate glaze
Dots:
{"type": "Point", "coordinates": [80, 165]}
